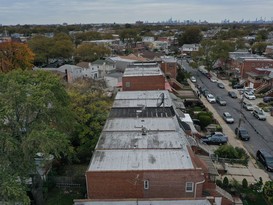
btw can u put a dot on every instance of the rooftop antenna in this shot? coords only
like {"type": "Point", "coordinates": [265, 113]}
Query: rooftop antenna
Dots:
{"type": "Point", "coordinates": [160, 100]}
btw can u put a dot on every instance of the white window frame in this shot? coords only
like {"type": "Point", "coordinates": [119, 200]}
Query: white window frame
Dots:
{"type": "Point", "coordinates": [189, 186]}
{"type": "Point", "coordinates": [146, 184]}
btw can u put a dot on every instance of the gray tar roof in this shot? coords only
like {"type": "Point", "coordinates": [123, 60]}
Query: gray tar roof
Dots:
{"type": "Point", "coordinates": [140, 98]}
{"type": "Point", "coordinates": [141, 138]}
{"type": "Point", "coordinates": [142, 71]}
{"type": "Point", "coordinates": [141, 159]}
{"type": "Point", "coordinates": [152, 140]}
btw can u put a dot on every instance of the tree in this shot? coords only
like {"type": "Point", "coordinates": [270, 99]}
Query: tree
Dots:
{"type": "Point", "coordinates": [268, 191]}
{"type": "Point", "coordinates": [15, 56]}
{"type": "Point", "coordinates": [90, 52]}
{"type": "Point", "coordinates": [62, 47]}
{"type": "Point", "coordinates": [191, 35]}
{"type": "Point", "coordinates": [91, 105]}
{"type": "Point", "coordinates": [212, 51]}
{"type": "Point", "coordinates": [259, 47]}
{"type": "Point", "coordinates": [35, 116]}
{"type": "Point", "coordinates": [41, 46]}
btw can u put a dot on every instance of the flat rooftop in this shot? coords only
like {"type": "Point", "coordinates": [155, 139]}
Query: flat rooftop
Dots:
{"type": "Point", "coordinates": [142, 71]}
{"type": "Point", "coordinates": [142, 98]}
{"type": "Point", "coordinates": [135, 124]}
{"type": "Point", "coordinates": [139, 159]}
{"type": "Point", "coordinates": [152, 140]}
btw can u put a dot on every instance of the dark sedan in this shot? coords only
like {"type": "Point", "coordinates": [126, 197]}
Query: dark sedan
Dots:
{"type": "Point", "coordinates": [242, 133]}
{"type": "Point", "coordinates": [232, 94]}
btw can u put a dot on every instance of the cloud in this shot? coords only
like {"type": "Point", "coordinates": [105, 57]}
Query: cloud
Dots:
{"type": "Point", "coordinates": [122, 11]}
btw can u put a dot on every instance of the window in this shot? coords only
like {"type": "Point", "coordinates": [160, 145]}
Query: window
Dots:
{"type": "Point", "coordinates": [146, 184]}
{"type": "Point", "coordinates": [189, 186]}
{"type": "Point", "coordinates": [127, 84]}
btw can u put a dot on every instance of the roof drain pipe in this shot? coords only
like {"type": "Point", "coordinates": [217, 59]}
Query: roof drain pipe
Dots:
{"type": "Point", "coordinates": [195, 188]}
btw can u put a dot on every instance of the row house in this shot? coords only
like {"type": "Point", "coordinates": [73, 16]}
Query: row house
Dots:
{"type": "Point", "coordinates": [144, 155]}
{"type": "Point", "coordinates": [243, 62]}
{"type": "Point", "coordinates": [261, 79]}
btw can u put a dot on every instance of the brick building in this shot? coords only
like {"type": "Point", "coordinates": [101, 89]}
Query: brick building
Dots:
{"type": "Point", "coordinates": [169, 66]}
{"type": "Point", "coordinates": [244, 62]}
{"type": "Point", "coordinates": [143, 154]}
{"type": "Point", "coordinates": [143, 76]}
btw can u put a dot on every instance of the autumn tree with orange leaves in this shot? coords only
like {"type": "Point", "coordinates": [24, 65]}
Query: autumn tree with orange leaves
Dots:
{"type": "Point", "coordinates": [15, 55]}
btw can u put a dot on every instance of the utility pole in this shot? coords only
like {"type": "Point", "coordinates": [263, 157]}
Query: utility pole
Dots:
{"type": "Point", "coordinates": [241, 112]}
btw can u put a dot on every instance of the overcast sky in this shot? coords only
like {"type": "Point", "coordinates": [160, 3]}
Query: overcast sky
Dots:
{"type": "Point", "coordinates": [128, 11]}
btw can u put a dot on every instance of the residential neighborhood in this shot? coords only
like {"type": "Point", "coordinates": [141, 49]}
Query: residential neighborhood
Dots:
{"type": "Point", "coordinates": [98, 114]}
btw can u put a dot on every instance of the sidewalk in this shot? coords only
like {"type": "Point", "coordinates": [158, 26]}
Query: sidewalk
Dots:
{"type": "Point", "coordinates": [252, 173]}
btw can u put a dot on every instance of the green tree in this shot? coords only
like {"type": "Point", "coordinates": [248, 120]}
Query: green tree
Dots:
{"type": "Point", "coordinates": [259, 47]}
{"type": "Point", "coordinates": [261, 35]}
{"type": "Point", "coordinates": [191, 35]}
{"type": "Point", "coordinates": [35, 116]}
{"type": "Point", "coordinates": [91, 105]}
{"type": "Point", "coordinates": [90, 52]}
{"type": "Point", "coordinates": [15, 56]}
{"type": "Point", "coordinates": [268, 191]}
{"type": "Point", "coordinates": [63, 46]}
{"type": "Point", "coordinates": [41, 46]}
{"type": "Point", "coordinates": [212, 51]}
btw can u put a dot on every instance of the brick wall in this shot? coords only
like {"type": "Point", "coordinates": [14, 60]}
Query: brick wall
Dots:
{"type": "Point", "coordinates": [130, 184]}
{"type": "Point", "coordinates": [170, 69]}
{"type": "Point", "coordinates": [138, 83]}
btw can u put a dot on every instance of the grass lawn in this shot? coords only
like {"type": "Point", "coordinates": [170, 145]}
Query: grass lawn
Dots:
{"type": "Point", "coordinates": [61, 197]}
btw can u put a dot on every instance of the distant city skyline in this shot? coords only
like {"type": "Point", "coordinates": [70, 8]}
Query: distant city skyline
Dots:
{"type": "Point", "coordinates": [120, 11]}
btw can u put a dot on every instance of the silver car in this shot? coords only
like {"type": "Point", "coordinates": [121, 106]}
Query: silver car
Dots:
{"type": "Point", "coordinates": [228, 118]}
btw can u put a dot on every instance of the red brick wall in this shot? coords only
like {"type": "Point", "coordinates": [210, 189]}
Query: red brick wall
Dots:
{"type": "Point", "coordinates": [130, 184]}
{"type": "Point", "coordinates": [143, 83]}
{"type": "Point", "coordinates": [250, 66]}
{"type": "Point", "coordinates": [170, 69]}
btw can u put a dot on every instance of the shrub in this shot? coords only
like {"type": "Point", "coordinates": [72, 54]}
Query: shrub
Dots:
{"type": "Point", "coordinates": [205, 118]}
{"type": "Point", "coordinates": [244, 183]}
{"type": "Point", "coordinates": [228, 151]}
{"type": "Point", "coordinates": [219, 183]}
{"type": "Point", "coordinates": [225, 182]}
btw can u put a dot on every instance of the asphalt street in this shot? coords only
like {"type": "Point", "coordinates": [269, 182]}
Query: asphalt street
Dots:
{"type": "Point", "coordinates": [261, 132]}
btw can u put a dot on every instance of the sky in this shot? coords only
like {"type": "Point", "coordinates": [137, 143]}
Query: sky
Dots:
{"type": "Point", "coordinates": [14, 12]}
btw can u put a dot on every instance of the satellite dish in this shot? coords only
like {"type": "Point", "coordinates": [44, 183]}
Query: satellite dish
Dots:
{"type": "Point", "coordinates": [160, 100]}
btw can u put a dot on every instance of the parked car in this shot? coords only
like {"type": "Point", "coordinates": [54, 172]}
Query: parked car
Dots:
{"type": "Point", "coordinates": [268, 99]}
{"type": "Point", "coordinates": [266, 159]}
{"type": "Point", "coordinates": [193, 79]}
{"type": "Point", "coordinates": [221, 101]}
{"type": "Point", "coordinates": [248, 106]}
{"type": "Point", "coordinates": [211, 98]}
{"type": "Point", "coordinates": [215, 138]}
{"type": "Point", "coordinates": [206, 92]}
{"type": "Point", "coordinates": [228, 118]}
{"type": "Point", "coordinates": [221, 85]}
{"type": "Point", "coordinates": [242, 133]}
{"type": "Point", "coordinates": [259, 113]}
{"type": "Point", "coordinates": [232, 94]}
{"type": "Point", "coordinates": [238, 86]}
{"type": "Point", "coordinates": [203, 89]}
{"type": "Point", "coordinates": [249, 95]}
{"type": "Point", "coordinates": [212, 79]}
